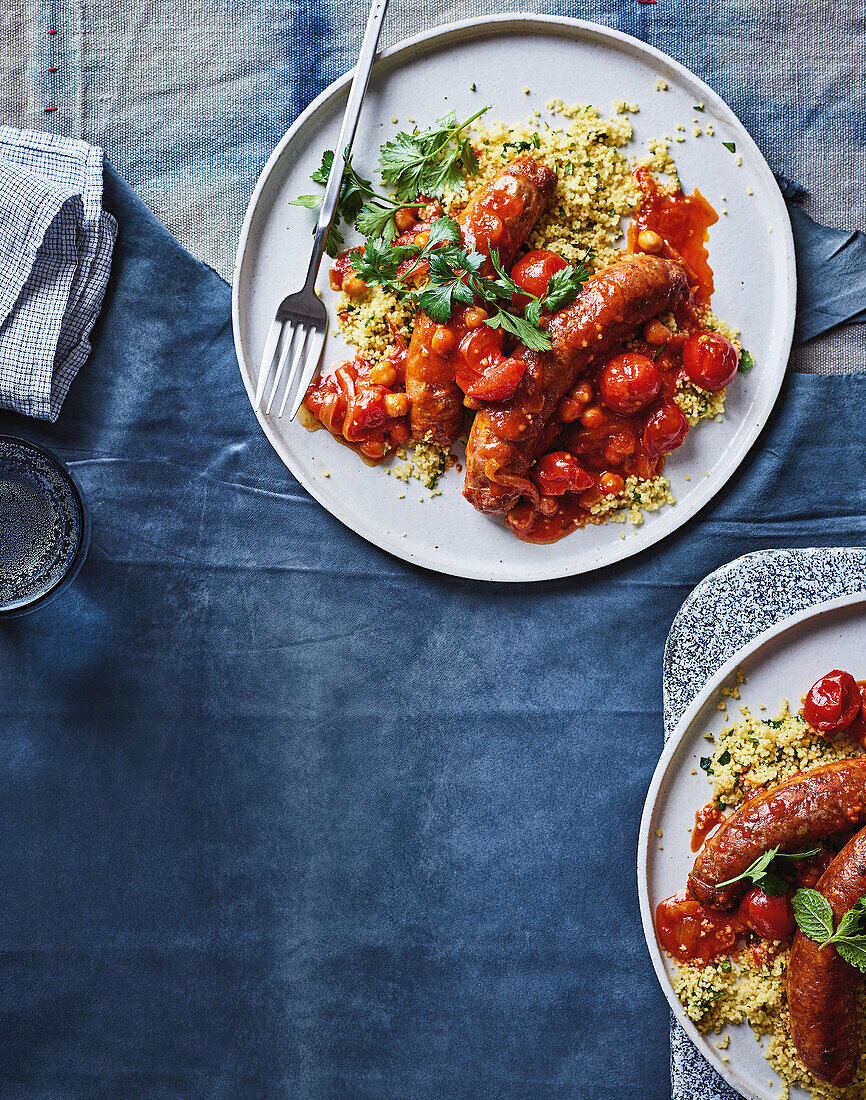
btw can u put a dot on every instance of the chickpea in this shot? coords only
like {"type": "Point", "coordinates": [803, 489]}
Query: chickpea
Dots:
{"type": "Point", "coordinates": [353, 286]}
{"type": "Point", "coordinates": [474, 317]}
{"type": "Point", "coordinates": [593, 417]}
{"type": "Point", "coordinates": [656, 333]}
{"type": "Point", "coordinates": [611, 484]}
{"type": "Point", "coordinates": [422, 238]}
{"type": "Point", "coordinates": [383, 374]}
{"type": "Point", "coordinates": [649, 241]}
{"type": "Point", "coordinates": [582, 392]}
{"type": "Point", "coordinates": [400, 432]}
{"type": "Point", "coordinates": [335, 278]}
{"type": "Point", "coordinates": [396, 404]}
{"type": "Point", "coordinates": [443, 340]}
{"type": "Point", "coordinates": [371, 448]}
{"type": "Point", "coordinates": [470, 403]}
{"type": "Point", "coordinates": [404, 219]}
{"type": "Point", "coordinates": [569, 410]}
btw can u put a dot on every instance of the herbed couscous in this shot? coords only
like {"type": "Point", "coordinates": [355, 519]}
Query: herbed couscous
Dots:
{"type": "Point", "coordinates": [748, 982]}
{"type": "Point", "coordinates": [597, 184]}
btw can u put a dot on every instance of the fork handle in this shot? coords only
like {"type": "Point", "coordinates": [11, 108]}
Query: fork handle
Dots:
{"type": "Point", "coordinates": [347, 135]}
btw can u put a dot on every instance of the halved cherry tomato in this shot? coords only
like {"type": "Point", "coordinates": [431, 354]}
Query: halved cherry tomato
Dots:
{"type": "Point", "coordinates": [710, 360]}
{"type": "Point", "coordinates": [483, 372]}
{"type": "Point", "coordinates": [693, 932]}
{"type": "Point", "coordinates": [772, 918]}
{"type": "Point", "coordinates": [629, 383]}
{"type": "Point", "coordinates": [665, 430]}
{"type": "Point", "coordinates": [533, 272]}
{"type": "Point", "coordinates": [832, 702]}
{"type": "Point", "coordinates": [558, 472]}
{"type": "Point", "coordinates": [497, 382]}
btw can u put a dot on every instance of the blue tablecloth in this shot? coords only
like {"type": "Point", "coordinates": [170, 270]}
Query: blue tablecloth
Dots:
{"type": "Point", "coordinates": [285, 817]}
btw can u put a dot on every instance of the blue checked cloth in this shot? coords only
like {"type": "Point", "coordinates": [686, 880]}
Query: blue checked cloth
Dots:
{"type": "Point", "coordinates": [55, 257]}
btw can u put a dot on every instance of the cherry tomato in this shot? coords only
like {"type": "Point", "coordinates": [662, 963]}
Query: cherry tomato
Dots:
{"type": "Point", "coordinates": [693, 932]}
{"type": "Point", "coordinates": [857, 729]}
{"type": "Point", "coordinates": [809, 871]}
{"type": "Point", "coordinates": [665, 430]}
{"type": "Point", "coordinates": [558, 472]}
{"type": "Point", "coordinates": [772, 918]}
{"type": "Point", "coordinates": [533, 273]}
{"type": "Point", "coordinates": [710, 360]}
{"type": "Point", "coordinates": [497, 382]}
{"type": "Point", "coordinates": [833, 702]}
{"type": "Point", "coordinates": [629, 383]}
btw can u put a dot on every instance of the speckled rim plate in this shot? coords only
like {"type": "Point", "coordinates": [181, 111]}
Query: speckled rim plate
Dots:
{"type": "Point", "coordinates": [781, 662]}
{"type": "Point", "coordinates": [576, 61]}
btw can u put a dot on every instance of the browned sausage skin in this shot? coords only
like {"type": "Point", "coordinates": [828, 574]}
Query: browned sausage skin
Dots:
{"type": "Point", "coordinates": [508, 436]}
{"type": "Point", "coordinates": [825, 801]}
{"type": "Point", "coordinates": [502, 214]}
{"type": "Point", "coordinates": [822, 988]}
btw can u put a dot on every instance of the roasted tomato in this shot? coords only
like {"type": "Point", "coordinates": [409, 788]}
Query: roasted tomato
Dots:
{"type": "Point", "coordinates": [772, 918]}
{"type": "Point", "coordinates": [483, 372]}
{"type": "Point", "coordinates": [558, 472]}
{"type": "Point", "coordinates": [533, 273]}
{"type": "Point", "coordinates": [710, 360]}
{"type": "Point", "coordinates": [498, 381]}
{"type": "Point", "coordinates": [833, 702]}
{"type": "Point", "coordinates": [692, 932]}
{"type": "Point", "coordinates": [629, 383]}
{"type": "Point", "coordinates": [808, 871]}
{"type": "Point", "coordinates": [665, 430]}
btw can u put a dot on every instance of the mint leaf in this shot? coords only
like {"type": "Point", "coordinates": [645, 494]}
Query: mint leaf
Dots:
{"type": "Point", "coordinates": [813, 914]}
{"type": "Point", "coordinates": [746, 363]}
{"type": "Point", "coordinates": [730, 146]}
{"type": "Point", "coordinates": [852, 921]}
{"type": "Point", "coordinates": [853, 950]}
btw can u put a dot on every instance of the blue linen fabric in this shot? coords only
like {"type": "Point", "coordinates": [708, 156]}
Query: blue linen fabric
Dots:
{"type": "Point", "coordinates": [283, 816]}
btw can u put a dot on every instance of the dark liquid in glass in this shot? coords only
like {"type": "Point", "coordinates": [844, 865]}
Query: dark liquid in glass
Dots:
{"type": "Point", "coordinates": [40, 524]}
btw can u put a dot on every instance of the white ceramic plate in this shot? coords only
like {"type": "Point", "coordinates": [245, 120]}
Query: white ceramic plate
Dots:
{"type": "Point", "coordinates": [781, 663]}
{"type": "Point", "coordinates": [577, 62]}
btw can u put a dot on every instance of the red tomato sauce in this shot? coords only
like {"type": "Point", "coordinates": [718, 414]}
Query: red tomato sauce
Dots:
{"type": "Point", "coordinates": [682, 221]}
{"type": "Point", "coordinates": [706, 819]}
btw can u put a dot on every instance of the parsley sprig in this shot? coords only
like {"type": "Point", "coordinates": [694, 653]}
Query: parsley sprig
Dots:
{"type": "Point", "coordinates": [358, 201]}
{"type": "Point", "coordinates": [814, 916]}
{"type": "Point", "coordinates": [429, 162]}
{"type": "Point", "coordinates": [455, 278]}
{"type": "Point", "coordinates": [422, 163]}
{"type": "Point", "coordinates": [767, 877]}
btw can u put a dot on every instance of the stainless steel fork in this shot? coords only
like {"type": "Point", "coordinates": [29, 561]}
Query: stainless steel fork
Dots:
{"type": "Point", "coordinates": [299, 329]}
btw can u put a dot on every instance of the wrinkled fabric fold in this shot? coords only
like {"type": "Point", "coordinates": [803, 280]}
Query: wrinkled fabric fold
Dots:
{"type": "Point", "coordinates": [55, 257]}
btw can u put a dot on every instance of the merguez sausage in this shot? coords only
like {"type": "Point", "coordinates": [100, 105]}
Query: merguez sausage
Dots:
{"type": "Point", "coordinates": [822, 802]}
{"type": "Point", "coordinates": [508, 436]}
{"type": "Point", "coordinates": [822, 988]}
{"type": "Point", "coordinates": [500, 216]}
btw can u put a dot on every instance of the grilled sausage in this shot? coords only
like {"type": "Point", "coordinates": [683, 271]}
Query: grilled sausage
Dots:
{"type": "Point", "coordinates": [501, 215]}
{"type": "Point", "coordinates": [822, 988]}
{"type": "Point", "coordinates": [506, 437]}
{"type": "Point", "coordinates": [822, 802]}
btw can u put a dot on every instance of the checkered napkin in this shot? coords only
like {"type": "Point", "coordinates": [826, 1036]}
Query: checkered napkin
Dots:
{"type": "Point", "coordinates": [55, 256]}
